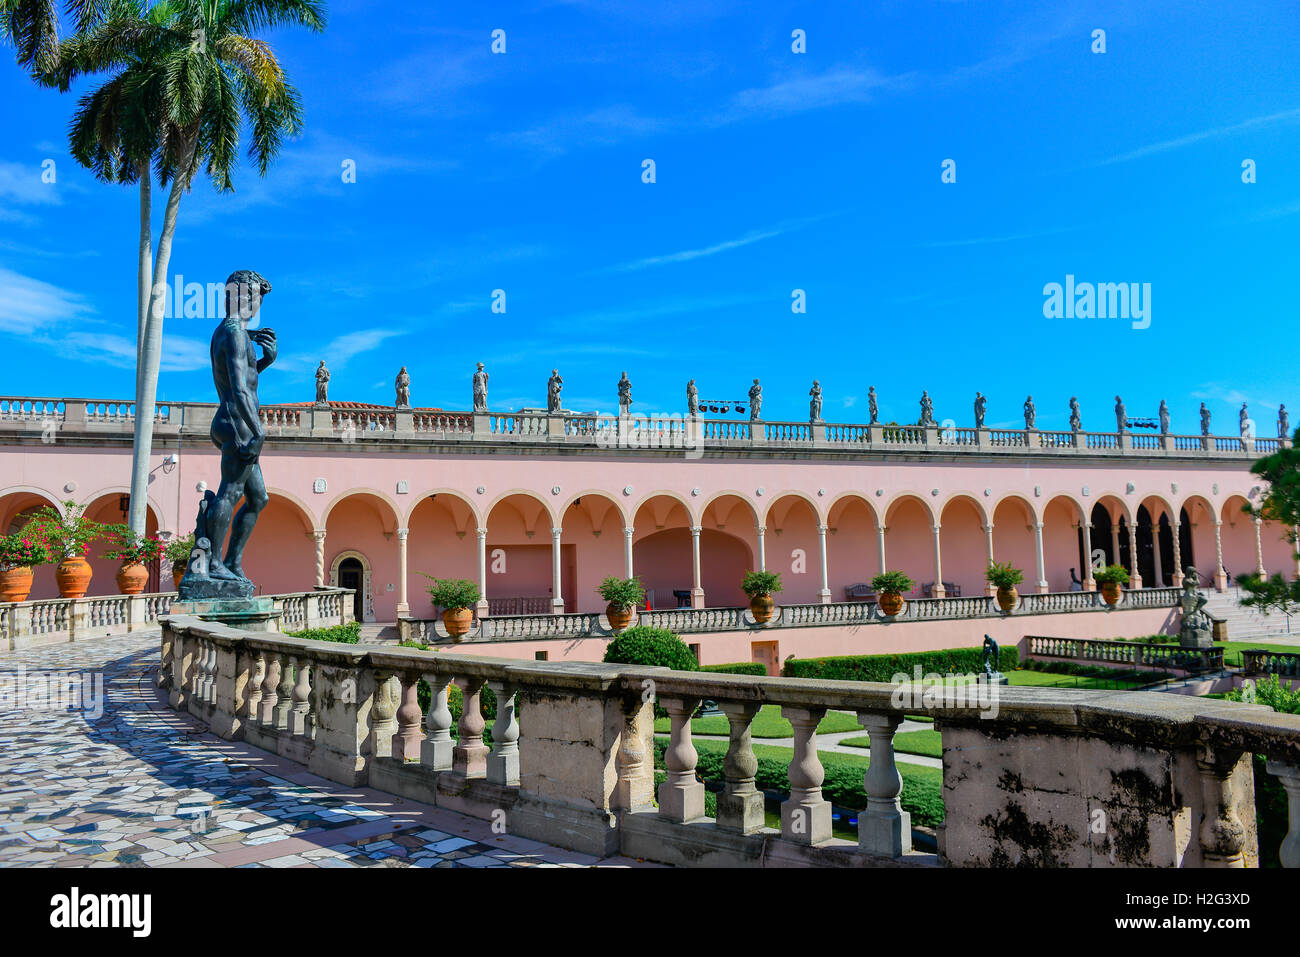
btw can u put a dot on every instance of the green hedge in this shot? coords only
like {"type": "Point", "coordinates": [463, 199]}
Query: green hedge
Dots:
{"type": "Point", "coordinates": [884, 667]}
{"type": "Point", "coordinates": [348, 634]}
{"type": "Point", "coordinates": [643, 645]}
{"type": "Point", "coordinates": [738, 668]}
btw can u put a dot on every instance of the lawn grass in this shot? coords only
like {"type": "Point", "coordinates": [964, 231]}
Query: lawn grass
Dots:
{"type": "Point", "coordinates": [1046, 679]}
{"type": "Point", "coordinates": [926, 743]}
{"type": "Point", "coordinates": [768, 723]}
{"type": "Point", "coordinates": [1232, 650]}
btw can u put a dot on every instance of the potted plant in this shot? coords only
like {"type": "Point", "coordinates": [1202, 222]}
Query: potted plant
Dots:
{"type": "Point", "coordinates": [135, 552]}
{"type": "Point", "coordinates": [457, 598]}
{"type": "Point", "coordinates": [1005, 577]}
{"type": "Point", "coordinates": [68, 537]}
{"type": "Point", "coordinates": [1110, 579]}
{"type": "Point", "coordinates": [19, 554]}
{"type": "Point", "coordinates": [623, 595]}
{"type": "Point", "coordinates": [890, 587]}
{"type": "Point", "coordinates": [760, 586]}
{"type": "Point", "coordinates": [178, 552]}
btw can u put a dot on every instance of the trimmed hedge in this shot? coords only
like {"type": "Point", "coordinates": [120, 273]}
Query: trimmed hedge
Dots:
{"type": "Point", "coordinates": [738, 668]}
{"type": "Point", "coordinates": [348, 634]}
{"type": "Point", "coordinates": [884, 667]}
{"type": "Point", "coordinates": [643, 645]}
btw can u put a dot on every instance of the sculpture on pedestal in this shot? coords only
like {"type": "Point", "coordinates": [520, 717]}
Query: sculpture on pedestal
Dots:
{"type": "Point", "coordinates": [1205, 420]}
{"type": "Point", "coordinates": [1164, 417]}
{"type": "Point", "coordinates": [991, 673]}
{"type": "Point", "coordinates": [755, 402]}
{"type": "Point", "coordinates": [322, 384]}
{"type": "Point", "coordinates": [981, 406]}
{"type": "Point", "coordinates": [1197, 628]}
{"type": "Point", "coordinates": [815, 402]}
{"type": "Point", "coordinates": [871, 405]}
{"type": "Point", "coordinates": [1031, 414]}
{"type": "Point", "coordinates": [692, 398]}
{"type": "Point", "coordinates": [403, 384]}
{"type": "Point", "coordinates": [927, 409]}
{"type": "Point", "coordinates": [1076, 420]}
{"type": "Point", "coordinates": [1121, 415]}
{"type": "Point", "coordinates": [1244, 423]}
{"type": "Point", "coordinates": [237, 431]}
{"type": "Point", "coordinates": [554, 386]}
{"type": "Point", "coordinates": [480, 389]}
{"type": "Point", "coordinates": [1283, 423]}
{"type": "Point", "coordinates": [624, 395]}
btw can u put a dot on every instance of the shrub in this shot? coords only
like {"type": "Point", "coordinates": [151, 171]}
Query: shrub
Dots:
{"type": "Point", "coordinates": [896, 582]}
{"type": "Point", "coordinates": [624, 593]}
{"type": "Point", "coordinates": [452, 594]}
{"type": "Point", "coordinates": [178, 550]}
{"type": "Point", "coordinates": [738, 668]}
{"type": "Point", "coordinates": [884, 667]}
{"type": "Point", "coordinates": [67, 536]}
{"type": "Point", "coordinates": [1111, 574]}
{"type": "Point", "coordinates": [755, 584]}
{"type": "Point", "coordinates": [1003, 575]}
{"type": "Point", "coordinates": [130, 548]}
{"type": "Point", "coordinates": [23, 550]}
{"type": "Point", "coordinates": [643, 645]}
{"type": "Point", "coordinates": [348, 634]}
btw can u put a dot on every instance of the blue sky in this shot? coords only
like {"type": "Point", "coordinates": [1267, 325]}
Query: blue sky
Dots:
{"type": "Point", "coordinates": [775, 171]}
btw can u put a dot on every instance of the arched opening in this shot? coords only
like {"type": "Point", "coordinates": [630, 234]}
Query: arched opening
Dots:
{"type": "Point", "coordinates": [1013, 538]}
{"type": "Point", "coordinates": [793, 549]}
{"type": "Point", "coordinates": [17, 509]}
{"type": "Point", "coordinates": [665, 563]}
{"type": "Point", "coordinates": [363, 524]}
{"type": "Point", "coordinates": [852, 548]}
{"type": "Point", "coordinates": [909, 542]}
{"type": "Point", "coordinates": [441, 542]}
{"type": "Point", "coordinates": [1238, 535]}
{"type": "Point", "coordinates": [352, 574]}
{"type": "Point", "coordinates": [113, 508]}
{"type": "Point", "coordinates": [1063, 560]}
{"type": "Point", "coordinates": [520, 554]}
{"type": "Point", "coordinates": [1112, 535]}
{"type": "Point", "coordinates": [593, 529]}
{"type": "Point", "coordinates": [281, 554]}
{"type": "Point", "coordinates": [963, 547]}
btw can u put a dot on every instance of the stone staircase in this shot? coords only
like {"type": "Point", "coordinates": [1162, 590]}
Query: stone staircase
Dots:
{"type": "Point", "coordinates": [1245, 624]}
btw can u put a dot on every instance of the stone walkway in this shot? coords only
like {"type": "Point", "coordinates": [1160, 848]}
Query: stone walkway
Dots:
{"type": "Point", "coordinates": [145, 786]}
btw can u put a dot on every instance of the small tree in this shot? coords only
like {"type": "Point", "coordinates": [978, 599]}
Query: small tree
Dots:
{"type": "Point", "coordinates": [1111, 574]}
{"type": "Point", "coordinates": [624, 593]}
{"type": "Point", "coordinates": [68, 535]}
{"type": "Point", "coordinates": [894, 583]}
{"type": "Point", "coordinates": [1281, 504]}
{"type": "Point", "coordinates": [452, 594]}
{"type": "Point", "coordinates": [756, 584]}
{"type": "Point", "coordinates": [1003, 575]}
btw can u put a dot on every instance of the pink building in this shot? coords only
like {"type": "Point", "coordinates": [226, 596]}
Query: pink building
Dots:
{"type": "Point", "coordinates": [538, 508]}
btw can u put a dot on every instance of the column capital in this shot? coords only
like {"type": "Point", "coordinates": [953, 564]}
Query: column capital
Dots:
{"type": "Point", "coordinates": [629, 532]}
{"type": "Point", "coordinates": [318, 534]}
{"type": "Point", "coordinates": [822, 529]}
{"type": "Point", "coordinates": [481, 532]}
{"type": "Point", "coordinates": [761, 529]}
{"type": "Point", "coordinates": [696, 529]}
{"type": "Point", "coordinates": [988, 527]}
{"type": "Point", "coordinates": [402, 533]}
{"type": "Point", "coordinates": [936, 528]}
{"type": "Point", "coordinates": [556, 532]}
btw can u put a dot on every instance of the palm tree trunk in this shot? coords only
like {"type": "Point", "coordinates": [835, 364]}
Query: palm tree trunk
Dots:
{"type": "Point", "coordinates": [151, 353]}
{"type": "Point", "coordinates": [145, 272]}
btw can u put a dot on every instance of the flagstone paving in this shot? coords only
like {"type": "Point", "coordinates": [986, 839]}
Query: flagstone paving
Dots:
{"type": "Point", "coordinates": [145, 786]}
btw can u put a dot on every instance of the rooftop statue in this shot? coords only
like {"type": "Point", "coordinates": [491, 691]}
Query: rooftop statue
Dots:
{"type": "Point", "coordinates": [624, 395]}
{"type": "Point", "coordinates": [1031, 414]}
{"type": "Point", "coordinates": [554, 386]}
{"type": "Point", "coordinates": [322, 384]}
{"type": "Point", "coordinates": [1244, 423]}
{"type": "Point", "coordinates": [403, 384]}
{"type": "Point", "coordinates": [1164, 417]}
{"type": "Point", "coordinates": [692, 398]}
{"type": "Point", "coordinates": [1121, 415]}
{"type": "Point", "coordinates": [872, 407]}
{"type": "Point", "coordinates": [1283, 423]}
{"type": "Point", "coordinates": [815, 402]}
{"type": "Point", "coordinates": [981, 406]}
{"type": "Point", "coordinates": [480, 389]}
{"type": "Point", "coordinates": [755, 402]}
{"type": "Point", "coordinates": [1076, 420]}
{"type": "Point", "coordinates": [927, 408]}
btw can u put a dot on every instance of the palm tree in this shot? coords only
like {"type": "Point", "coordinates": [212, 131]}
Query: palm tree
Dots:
{"type": "Point", "coordinates": [188, 77]}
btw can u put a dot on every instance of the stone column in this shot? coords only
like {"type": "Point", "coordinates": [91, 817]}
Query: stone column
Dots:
{"type": "Point", "coordinates": [761, 531]}
{"type": "Point", "coordinates": [403, 609]}
{"type": "Point", "coordinates": [319, 535]}
{"type": "Point", "coordinates": [825, 593]}
{"type": "Point", "coordinates": [806, 815]}
{"type": "Point", "coordinates": [1089, 583]}
{"type": "Point", "coordinates": [1038, 550]}
{"type": "Point", "coordinates": [681, 797]}
{"type": "Point", "coordinates": [1159, 568]}
{"type": "Point", "coordinates": [1297, 557]}
{"type": "Point", "coordinates": [880, 546]}
{"type": "Point", "coordinates": [939, 591]}
{"type": "Point", "coordinates": [1220, 575]}
{"type": "Point", "coordinates": [482, 607]}
{"type": "Point", "coordinates": [1289, 775]}
{"type": "Point", "coordinates": [557, 596]}
{"type": "Point", "coordinates": [740, 805]}
{"type": "Point", "coordinates": [990, 589]}
{"type": "Point", "coordinates": [884, 828]}
{"type": "Point", "coordinates": [1135, 577]}
{"type": "Point", "coordinates": [1177, 529]}
{"type": "Point", "coordinates": [1114, 540]}
{"type": "Point", "coordinates": [627, 551]}
{"type": "Point", "coordinates": [1259, 547]}
{"type": "Point", "coordinates": [697, 589]}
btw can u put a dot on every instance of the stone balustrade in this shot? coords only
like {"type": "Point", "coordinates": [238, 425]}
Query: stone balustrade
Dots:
{"type": "Point", "coordinates": [710, 620]}
{"type": "Point", "coordinates": [24, 624]}
{"type": "Point", "coordinates": [69, 417]}
{"type": "Point", "coordinates": [1025, 770]}
{"type": "Point", "coordinates": [1167, 657]}
{"type": "Point", "coordinates": [1260, 661]}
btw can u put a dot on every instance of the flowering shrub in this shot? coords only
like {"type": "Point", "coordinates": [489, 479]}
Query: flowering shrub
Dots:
{"type": "Point", "coordinates": [23, 550]}
{"type": "Point", "coordinates": [178, 550]}
{"type": "Point", "coordinates": [69, 535]}
{"type": "Point", "coordinates": [130, 548]}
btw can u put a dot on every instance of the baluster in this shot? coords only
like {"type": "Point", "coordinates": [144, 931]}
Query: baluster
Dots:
{"type": "Point", "coordinates": [1289, 774]}
{"type": "Point", "coordinates": [257, 674]}
{"type": "Point", "coordinates": [806, 816]}
{"type": "Point", "coordinates": [884, 828]}
{"type": "Point", "coordinates": [1222, 835]}
{"type": "Point", "coordinates": [407, 743]}
{"type": "Point", "coordinates": [301, 698]}
{"type": "Point", "coordinates": [503, 762]}
{"type": "Point", "coordinates": [740, 805]}
{"type": "Point", "coordinates": [469, 757]}
{"type": "Point", "coordinates": [270, 689]}
{"type": "Point", "coordinates": [383, 712]}
{"type": "Point", "coordinates": [284, 694]}
{"type": "Point", "coordinates": [681, 797]}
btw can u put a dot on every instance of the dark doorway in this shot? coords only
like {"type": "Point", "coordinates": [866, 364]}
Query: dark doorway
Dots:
{"type": "Point", "coordinates": [352, 575]}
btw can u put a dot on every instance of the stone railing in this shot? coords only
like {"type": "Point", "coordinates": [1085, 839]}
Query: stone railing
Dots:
{"type": "Point", "coordinates": [1261, 661]}
{"type": "Point", "coordinates": [1165, 657]}
{"type": "Point", "coordinates": [704, 620]}
{"type": "Point", "coordinates": [36, 416]}
{"type": "Point", "coordinates": [571, 761]}
{"type": "Point", "coordinates": [27, 623]}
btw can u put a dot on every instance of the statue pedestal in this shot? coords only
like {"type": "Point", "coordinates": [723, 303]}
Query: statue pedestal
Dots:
{"type": "Point", "coordinates": [997, 678]}
{"type": "Point", "coordinates": [247, 614]}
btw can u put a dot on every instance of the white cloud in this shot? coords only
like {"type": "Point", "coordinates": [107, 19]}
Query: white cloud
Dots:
{"type": "Point", "coordinates": [28, 304]}
{"type": "Point", "coordinates": [687, 255]}
{"type": "Point", "coordinates": [1164, 146]}
{"type": "Point", "coordinates": [22, 183]}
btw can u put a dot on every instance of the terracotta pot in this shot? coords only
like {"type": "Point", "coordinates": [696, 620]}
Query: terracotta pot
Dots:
{"type": "Point", "coordinates": [1110, 592]}
{"type": "Point", "coordinates": [457, 621]}
{"type": "Point", "coordinates": [73, 576]}
{"type": "Point", "coordinates": [178, 572]}
{"type": "Point", "coordinates": [1007, 597]}
{"type": "Point", "coordinates": [762, 607]}
{"type": "Point", "coordinates": [619, 617]}
{"type": "Point", "coordinates": [132, 579]}
{"type": "Point", "coordinates": [891, 603]}
{"type": "Point", "coordinates": [15, 584]}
